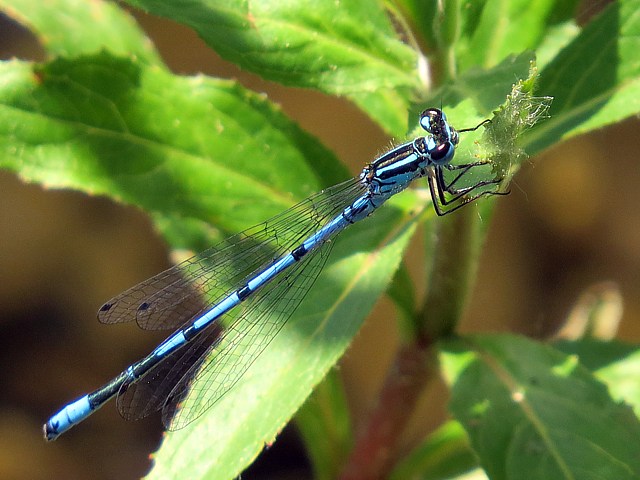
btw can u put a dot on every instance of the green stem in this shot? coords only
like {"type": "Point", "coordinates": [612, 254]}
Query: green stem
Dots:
{"type": "Point", "coordinates": [454, 266]}
{"type": "Point", "coordinates": [455, 254]}
{"type": "Point", "coordinates": [447, 29]}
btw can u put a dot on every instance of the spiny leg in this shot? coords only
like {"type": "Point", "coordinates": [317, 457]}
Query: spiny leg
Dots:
{"type": "Point", "coordinates": [444, 205]}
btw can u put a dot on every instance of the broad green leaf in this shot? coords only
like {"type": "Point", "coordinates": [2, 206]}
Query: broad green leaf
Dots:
{"type": "Point", "coordinates": [76, 27]}
{"type": "Point", "coordinates": [495, 29]}
{"type": "Point", "coordinates": [346, 48]}
{"type": "Point", "coordinates": [614, 363]}
{"type": "Point", "coordinates": [195, 148]}
{"type": "Point", "coordinates": [556, 39]}
{"type": "Point", "coordinates": [529, 408]}
{"type": "Point", "coordinates": [445, 454]}
{"type": "Point", "coordinates": [595, 80]}
{"type": "Point", "coordinates": [325, 426]}
{"type": "Point", "coordinates": [221, 443]}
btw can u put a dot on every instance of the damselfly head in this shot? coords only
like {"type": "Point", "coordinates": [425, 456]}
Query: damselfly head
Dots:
{"type": "Point", "coordinates": [434, 121]}
{"type": "Point", "coordinates": [444, 137]}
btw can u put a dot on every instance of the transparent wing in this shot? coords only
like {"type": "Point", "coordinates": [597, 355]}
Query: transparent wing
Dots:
{"type": "Point", "coordinates": [183, 292]}
{"type": "Point", "coordinates": [187, 383]}
{"type": "Point", "coordinates": [214, 361]}
{"type": "Point", "coordinates": [253, 330]}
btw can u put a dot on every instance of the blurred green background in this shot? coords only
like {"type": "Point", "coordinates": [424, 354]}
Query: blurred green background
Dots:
{"type": "Point", "coordinates": [572, 221]}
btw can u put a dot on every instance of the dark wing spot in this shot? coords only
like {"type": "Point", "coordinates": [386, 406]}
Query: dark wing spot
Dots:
{"type": "Point", "coordinates": [106, 307]}
{"type": "Point", "coordinates": [144, 306]}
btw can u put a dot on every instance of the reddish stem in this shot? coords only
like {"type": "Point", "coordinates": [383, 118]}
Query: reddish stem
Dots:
{"type": "Point", "coordinates": [375, 451]}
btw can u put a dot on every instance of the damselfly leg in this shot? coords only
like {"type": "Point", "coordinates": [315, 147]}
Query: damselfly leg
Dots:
{"type": "Point", "coordinates": [447, 197]}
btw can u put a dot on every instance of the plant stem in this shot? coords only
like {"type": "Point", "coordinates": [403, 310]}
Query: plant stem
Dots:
{"type": "Point", "coordinates": [455, 257]}
{"type": "Point", "coordinates": [374, 453]}
{"type": "Point", "coordinates": [455, 261]}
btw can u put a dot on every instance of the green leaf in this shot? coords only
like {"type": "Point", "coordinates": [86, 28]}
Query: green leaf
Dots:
{"type": "Point", "coordinates": [278, 382]}
{"type": "Point", "coordinates": [529, 408]}
{"type": "Point", "coordinates": [77, 27]}
{"type": "Point", "coordinates": [615, 363]}
{"type": "Point", "coordinates": [556, 39]}
{"type": "Point", "coordinates": [595, 80]}
{"type": "Point", "coordinates": [325, 426]}
{"type": "Point", "coordinates": [445, 454]}
{"type": "Point", "coordinates": [495, 29]}
{"type": "Point", "coordinates": [346, 48]}
{"type": "Point", "coordinates": [197, 148]}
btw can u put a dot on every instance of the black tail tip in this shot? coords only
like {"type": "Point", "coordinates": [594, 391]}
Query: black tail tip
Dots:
{"type": "Point", "coordinates": [50, 433]}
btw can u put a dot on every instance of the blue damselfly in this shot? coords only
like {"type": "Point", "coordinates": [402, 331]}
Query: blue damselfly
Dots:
{"type": "Point", "coordinates": [255, 280]}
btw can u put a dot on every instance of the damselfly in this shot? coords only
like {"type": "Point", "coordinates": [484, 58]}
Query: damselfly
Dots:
{"type": "Point", "coordinates": [230, 301]}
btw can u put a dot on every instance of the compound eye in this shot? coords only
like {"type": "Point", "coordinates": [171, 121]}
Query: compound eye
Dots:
{"type": "Point", "coordinates": [430, 119]}
{"type": "Point", "coordinates": [442, 153]}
